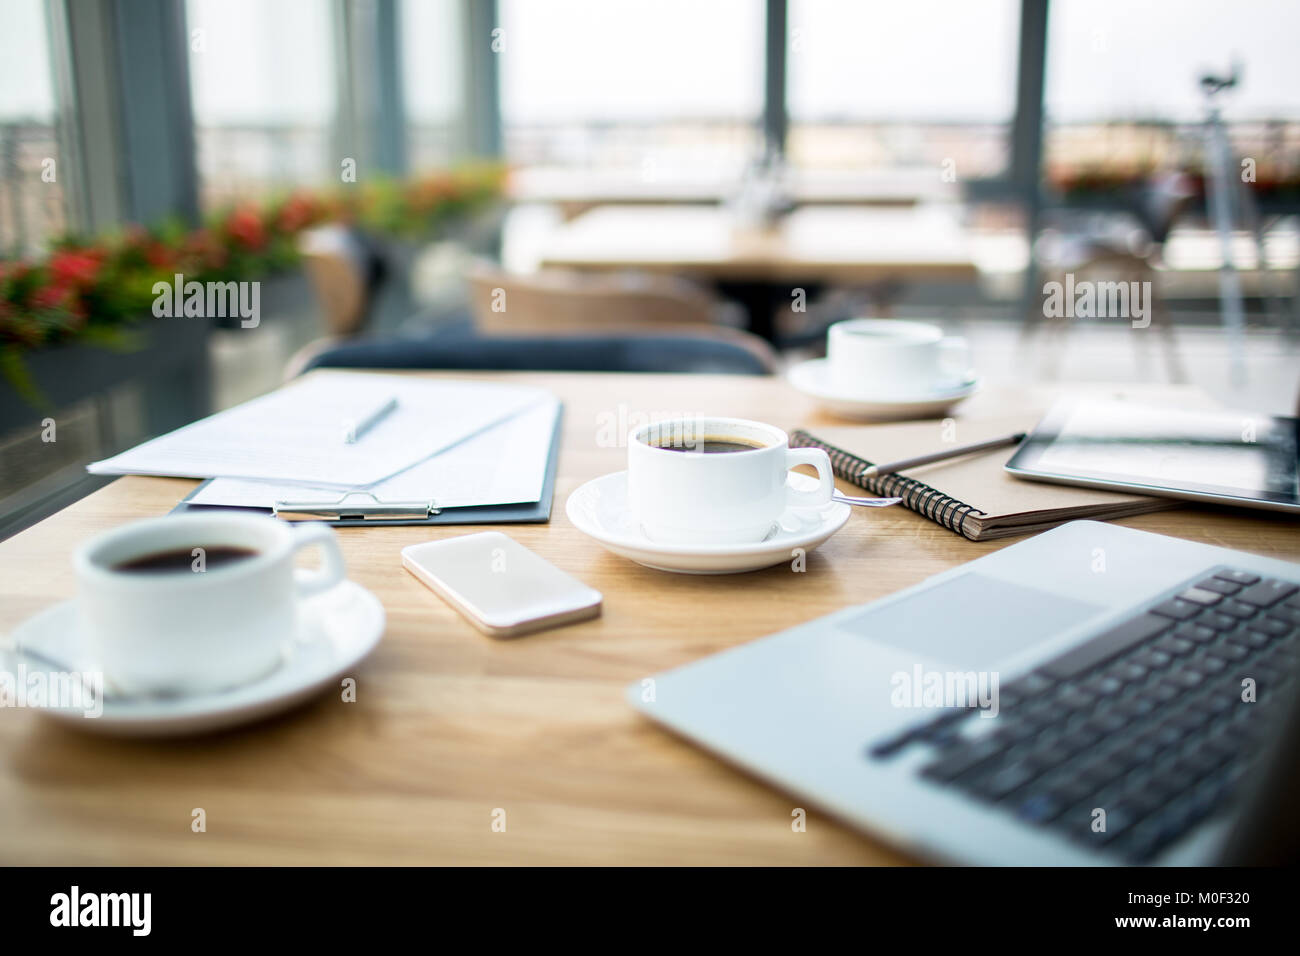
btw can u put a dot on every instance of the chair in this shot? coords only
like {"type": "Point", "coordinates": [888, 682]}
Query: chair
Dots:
{"type": "Point", "coordinates": [557, 303]}
{"type": "Point", "coordinates": [1101, 263]}
{"type": "Point", "coordinates": [573, 353]}
{"type": "Point", "coordinates": [1098, 248]}
{"type": "Point", "coordinates": [345, 271]}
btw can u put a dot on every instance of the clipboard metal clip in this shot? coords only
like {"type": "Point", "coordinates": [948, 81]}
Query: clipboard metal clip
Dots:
{"type": "Point", "coordinates": [346, 507]}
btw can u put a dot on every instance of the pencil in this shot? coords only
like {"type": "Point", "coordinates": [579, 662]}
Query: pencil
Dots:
{"type": "Point", "coordinates": [876, 471]}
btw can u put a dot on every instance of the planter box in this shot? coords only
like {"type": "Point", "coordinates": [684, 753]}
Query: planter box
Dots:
{"type": "Point", "coordinates": [282, 294]}
{"type": "Point", "coordinates": [171, 365]}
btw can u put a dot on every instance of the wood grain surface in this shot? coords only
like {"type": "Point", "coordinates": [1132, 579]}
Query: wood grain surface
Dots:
{"type": "Point", "coordinates": [450, 725]}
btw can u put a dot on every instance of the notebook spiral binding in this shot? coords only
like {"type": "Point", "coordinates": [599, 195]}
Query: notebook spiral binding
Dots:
{"type": "Point", "coordinates": [917, 495]}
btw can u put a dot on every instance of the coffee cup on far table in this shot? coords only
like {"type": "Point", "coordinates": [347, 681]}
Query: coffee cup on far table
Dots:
{"type": "Point", "coordinates": [890, 358]}
{"type": "Point", "coordinates": [187, 604]}
{"type": "Point", "coordinates": [717, 480]}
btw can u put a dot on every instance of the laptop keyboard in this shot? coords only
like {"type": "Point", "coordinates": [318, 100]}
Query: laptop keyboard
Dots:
{"type": "Point", "coordinates": [1148, 721]}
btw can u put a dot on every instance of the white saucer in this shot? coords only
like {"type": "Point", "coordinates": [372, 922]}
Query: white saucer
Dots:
{"type": "Point", "coordinates": [813, 378]}
{"type": "Point", "coordinates": [599, 509]}
{"type": "Point", "coordinates": [336, 630]}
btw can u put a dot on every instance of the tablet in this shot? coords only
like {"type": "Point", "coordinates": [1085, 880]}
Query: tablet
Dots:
{"type": "Point", "coordinates": [1235, 458]}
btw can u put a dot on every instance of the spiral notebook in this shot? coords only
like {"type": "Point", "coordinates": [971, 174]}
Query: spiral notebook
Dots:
{"type": "Point", "coordinates": [972, 495]}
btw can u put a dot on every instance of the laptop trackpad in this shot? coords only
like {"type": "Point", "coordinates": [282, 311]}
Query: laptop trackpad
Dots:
{"type": "Point", "coordinates": [970, 621]}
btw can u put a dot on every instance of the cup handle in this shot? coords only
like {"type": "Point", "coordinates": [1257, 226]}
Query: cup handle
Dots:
{"type": "Point", "coordinates": [954, 359]}
{"type": "Point", "coordinates": [332, 569]}
{"type": "Point", "coordinates": [822, 462]}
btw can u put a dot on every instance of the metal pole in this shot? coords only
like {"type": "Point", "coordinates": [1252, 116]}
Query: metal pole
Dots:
{"type": "Point", "coordinates": [483, 78]}
{"type": "Point", "coordinates": [1218, 184]}
{"type": "Point", "coordinates": [775, 117]}
{"type": "Point", "coordinates": [1027, 138]}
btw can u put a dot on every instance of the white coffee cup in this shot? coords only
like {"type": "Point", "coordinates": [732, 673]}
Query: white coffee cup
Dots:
{"type": "Point", "coordinates": [200, 629]}
{"type": "Point", "coordinates": [697, 496]}
{"type": "Point", "coordinates": [890, 358]}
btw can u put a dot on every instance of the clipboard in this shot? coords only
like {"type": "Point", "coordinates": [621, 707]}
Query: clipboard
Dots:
{"type": "Point", "coordinates": [527, 512]}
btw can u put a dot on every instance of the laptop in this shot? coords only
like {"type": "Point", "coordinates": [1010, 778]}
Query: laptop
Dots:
{"type": "Point", "coordinates": [1092, 695]}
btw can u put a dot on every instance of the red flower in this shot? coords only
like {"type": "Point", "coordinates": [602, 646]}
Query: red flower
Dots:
{"type": "Point", "coordinates": [55, 296]}
{"type": "Point", "coordinates": [245, 227]}
{"type": "Point", "coordinates": [298, 212]}
{"type": "Point", "coordinates": [74, 268]}
{"type": "Point", "coordinates": [202, 251]}
{"type": "Point", "coordinates": [159, 256]}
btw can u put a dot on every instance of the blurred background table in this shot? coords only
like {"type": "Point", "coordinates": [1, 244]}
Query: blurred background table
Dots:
{"type": "Point", "coordinates": [576, 191]}
{"type": "Point", "coordinates": [810, 247]}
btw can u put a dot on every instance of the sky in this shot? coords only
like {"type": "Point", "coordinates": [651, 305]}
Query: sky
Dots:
{"type": "Point", "coordinates": [593, 60]}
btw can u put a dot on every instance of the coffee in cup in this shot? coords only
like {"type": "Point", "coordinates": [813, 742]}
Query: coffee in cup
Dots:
{"type": "Point", "coordinates": [182, 560]}
{"type": "Point", "coordinates": [717, 480]}
{"type": "Point", "coordinates": [709, 445]}
{"type": "Point", "coordinates": [195, 603]}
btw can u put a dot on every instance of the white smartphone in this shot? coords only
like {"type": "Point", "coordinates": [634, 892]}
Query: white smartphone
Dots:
{"type": "Point", "coordinates": [502, 588]}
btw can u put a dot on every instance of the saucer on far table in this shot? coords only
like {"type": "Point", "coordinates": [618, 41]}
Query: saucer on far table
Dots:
{"type": "Point", "coordinates": [813, 378]}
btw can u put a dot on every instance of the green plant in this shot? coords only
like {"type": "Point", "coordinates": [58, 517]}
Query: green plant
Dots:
{"type": "Point", "coordinates": [96, 291]}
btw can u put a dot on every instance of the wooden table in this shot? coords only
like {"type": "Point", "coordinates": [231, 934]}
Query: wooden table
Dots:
{"type": "Point", "coordinates": [812, 247]}
{"type": "Point", "coordinates": [826, 244]}
{"type": "Point", "coordinates": [450, 725]}
{"type": "Point", "coordinates": [577, 190]}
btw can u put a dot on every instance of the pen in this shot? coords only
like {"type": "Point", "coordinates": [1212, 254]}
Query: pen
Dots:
{"type": "Point", "coordinates": [876, 471]}
{"type": "Point", "coordinates": [354, 428]}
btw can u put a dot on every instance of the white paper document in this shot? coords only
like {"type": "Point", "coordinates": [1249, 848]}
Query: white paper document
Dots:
{"type": "Point", "coordinates": [296, 434]}
{"type": "Point", "coordinates": [504, 464]}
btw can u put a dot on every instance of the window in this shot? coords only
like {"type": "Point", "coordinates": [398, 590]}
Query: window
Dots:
{"type": "Point", "coordinates": [874, 85]}
{"type": "Point", "coordinates": [433, 87]}
{"type": "Point", "coordinates": [264, 92]}
{"type": "Point", "coordinates": [32, 205]}
{"type": "Point", "coordinates": [661, 88]}
{"type": "Point", "coordinates": [1123, 93]}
